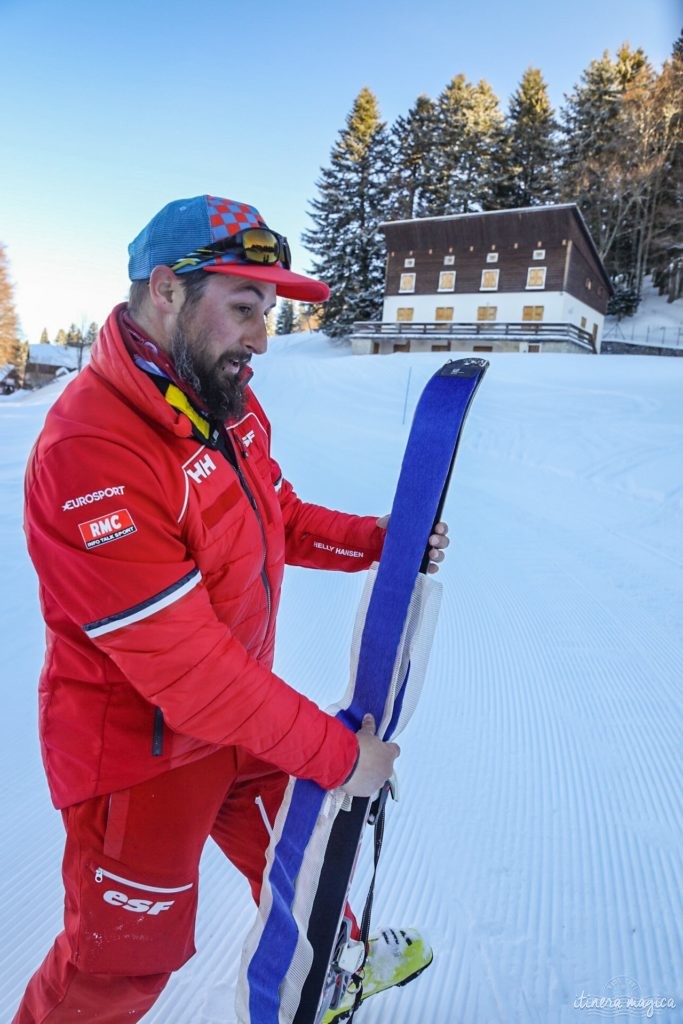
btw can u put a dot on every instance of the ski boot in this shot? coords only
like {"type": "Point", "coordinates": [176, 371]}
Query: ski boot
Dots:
{"type": "Point", "coordinates": [395, 957]}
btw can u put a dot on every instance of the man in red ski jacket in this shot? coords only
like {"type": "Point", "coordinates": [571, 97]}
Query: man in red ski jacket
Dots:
{"type": "Point", "coordinates": [159, 526]}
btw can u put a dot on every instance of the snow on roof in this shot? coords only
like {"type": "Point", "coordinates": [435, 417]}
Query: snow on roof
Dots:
{"type": "Point", "coordinates": [53, 355]}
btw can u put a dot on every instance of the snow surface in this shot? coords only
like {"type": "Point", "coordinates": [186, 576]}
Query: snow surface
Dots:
{"type": "Point", "coordinates": [537, 841]}
{"type": "Point", "coordinates": [656, 321]}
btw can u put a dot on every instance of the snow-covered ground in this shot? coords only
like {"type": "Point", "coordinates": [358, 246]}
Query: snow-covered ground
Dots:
{"type": "Point", "coordinates": [656, 321]}
{"type": "Point", "coordinates": [537, 841]}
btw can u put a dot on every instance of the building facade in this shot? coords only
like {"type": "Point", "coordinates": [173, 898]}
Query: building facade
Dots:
{"type": "Point", "coordinates": [512, 280]}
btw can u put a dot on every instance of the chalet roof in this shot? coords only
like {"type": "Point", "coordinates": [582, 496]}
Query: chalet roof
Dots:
{"type": "Point", "coordinates": [53, 355]}
{"type": "Point", "coordinates": [552, 212]}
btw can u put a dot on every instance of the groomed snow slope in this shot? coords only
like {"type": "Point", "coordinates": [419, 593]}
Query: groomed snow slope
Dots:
{"type": "Point", "coordinates": [537, 841]}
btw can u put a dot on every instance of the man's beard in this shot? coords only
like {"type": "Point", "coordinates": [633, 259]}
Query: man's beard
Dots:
{"type": "Point", "coordinates": [221, 392]}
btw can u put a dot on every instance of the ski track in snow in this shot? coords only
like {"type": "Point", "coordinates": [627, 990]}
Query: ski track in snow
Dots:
{"type": "Point", "coordinates": [537, 838]}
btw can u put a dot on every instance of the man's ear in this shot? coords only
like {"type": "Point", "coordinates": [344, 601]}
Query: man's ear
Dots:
{"type": "Point", "coordinates": [166, 291]}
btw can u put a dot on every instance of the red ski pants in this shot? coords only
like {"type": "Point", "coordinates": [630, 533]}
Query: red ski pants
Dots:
{"type": "Point", "coordinates": [131, 873]}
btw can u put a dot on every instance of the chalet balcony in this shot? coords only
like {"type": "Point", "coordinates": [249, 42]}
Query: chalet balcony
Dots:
{"type": "Point", "coordinates": [384, 336]}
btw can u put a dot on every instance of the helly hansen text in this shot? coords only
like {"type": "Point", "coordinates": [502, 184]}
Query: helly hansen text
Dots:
{"type": "Point", "coordinates": [87, 499]}
{"type": "Point", "coordinates": [346, 552]}
{"type": "Point", "coordinates": [149, 907]}
{"type": "Point", "coordinates": [201, 469]}
{"type": "Point", "coordinates": [112, 527]}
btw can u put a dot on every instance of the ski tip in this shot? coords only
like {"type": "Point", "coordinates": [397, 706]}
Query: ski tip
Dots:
{"type": "Point", "coordinates": [464, 368]}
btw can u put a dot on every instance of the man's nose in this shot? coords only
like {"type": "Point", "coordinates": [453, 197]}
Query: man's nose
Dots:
{"type": "Point", "coordinates": [256, 339]}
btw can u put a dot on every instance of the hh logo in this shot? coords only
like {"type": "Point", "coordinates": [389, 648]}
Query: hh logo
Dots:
{"type": "Point", "coordinates": [201, 469]}
{"type": "Point", "coordinates": [112, 527]}
{"type": "Point", "coordinates": [248, 438]}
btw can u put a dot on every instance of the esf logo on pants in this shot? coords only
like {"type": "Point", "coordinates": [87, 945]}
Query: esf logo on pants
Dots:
{"type": "Point", "coordinates": [149, 907]}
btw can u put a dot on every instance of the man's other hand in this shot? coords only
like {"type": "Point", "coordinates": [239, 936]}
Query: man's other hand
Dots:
{"type": "Point", "coordinates": [438, 542]}
{"type": "Point", "coordinates": [375, 761]}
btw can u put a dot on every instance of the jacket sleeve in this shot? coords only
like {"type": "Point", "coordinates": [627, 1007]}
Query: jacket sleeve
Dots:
{"type": "Point", "coordinates": [322, 538]}
{"type": "Point", "coordinates": [119, 571]}
{"type": "Point", "coordinates": [317, 537]}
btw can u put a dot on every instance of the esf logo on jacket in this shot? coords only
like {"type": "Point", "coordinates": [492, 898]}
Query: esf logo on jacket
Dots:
{"type": "Point", "coordinates": [149, 907]}
{"type": "Point", "coordinates": [107, 528]}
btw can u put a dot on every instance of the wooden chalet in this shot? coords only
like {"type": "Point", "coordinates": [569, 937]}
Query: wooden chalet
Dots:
{"type": "Point", "coordinates": [523, 280]}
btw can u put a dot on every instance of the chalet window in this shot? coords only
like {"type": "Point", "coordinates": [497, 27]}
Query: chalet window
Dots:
{"type": "Point", "coordinates": [409, 261]}
{"type": "Point", "coordinates": [539, 254]}
{"type": "Point", "coordinates": [407, 283]}
{"type": "Point", "coordinates": [487, 313]}
{"type": "Point", "coordinates": [532, 313]}
{"type": "Point", "coordinates": [489, 281]}
{"type": "Point", "coordinates": [443, 313]}
{"type": "Point", "coordinates": [448, 261]}
{"type": "Point", "coordinates": [404, 314]}
{"type": "Point", "coordinates": [491, 257]}
{"type": "Point", "coordinates": [446, 281]}
{"type": "Point", "coordinates": [535, 277]}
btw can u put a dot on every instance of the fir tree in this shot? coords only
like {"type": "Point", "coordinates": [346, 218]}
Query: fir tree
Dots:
{"type": "Point", "coordinates": [469, 134]}
{"type": "Point", "coordinates": [662, 130]}
{"type": "Point", "coordinates": [413, 138]}
{"type": "Point", "coordinates": [450, 135]}
{"type": "Point", "coordinates": [91, 334]}
{"type": "Point", "coordinates": [61, 337]}
{"type": "Point", "coordinates": [597, 149]}
{"type": "Point", "coordinates": [532, 147]}
{"type": "Point", "coordinates": [478, 175]}
{"type": "Point", "coordinates": [353, 200]}
{"type": "Point", "coordinates": [285, 317]}
{"type": "Point", "coordinates": [74, 336]}
{"type": "Point", "coordinates": [10, 345]}
{"type": "Point", "coordinates": [44, 339]}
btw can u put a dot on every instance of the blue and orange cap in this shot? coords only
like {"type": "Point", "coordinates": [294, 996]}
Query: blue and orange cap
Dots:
{"type": "Point", "coordinates": [186, 225]}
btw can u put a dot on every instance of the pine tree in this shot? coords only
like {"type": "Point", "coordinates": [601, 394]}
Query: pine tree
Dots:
{"type": "Point", "coordinates": [664, 242]}
{"type": "Point", "coordinates": [61, 337]}
{"type": "Point", "coordinates": [532, 146]}
{"type": "Point", "coordinates": [413, 139]}
{"type": "Point", "coordinates": [10, 345]}
{"type": "Point", "coordinates": [468, 136]}
{"type": "Point", "coordinates": [478, 175]}
{"type": "Point", "coordinates": [598, 170]}
{"type": "Point", "coordinates": [450, 135]}
{"type": "Point", "coordinates": [74, 336]}
{"type": "Point", "coordinates": [91, 334]}
{"type": "Point", "coordinates": [285, 317]}
{"type": "Point", "coordinates": [353, 200]}
{"type": "Point", "coordinates": [44, 339]}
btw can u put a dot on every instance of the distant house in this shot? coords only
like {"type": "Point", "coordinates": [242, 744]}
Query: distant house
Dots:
{"type": "Point", "coordinates": [45, 362]}
{"type": "Point", "coordinates": [526, 280]}
{"type": "Point", "coordinates": [10, 378]}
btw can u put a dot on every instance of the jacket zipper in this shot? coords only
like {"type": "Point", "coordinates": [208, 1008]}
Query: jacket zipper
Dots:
{"type": "Point", "coordinates": [101, 873]}
{"type": "Point", "coordinates": [252, 502]}
{"type": "Point", "coordinates": [158, 734]}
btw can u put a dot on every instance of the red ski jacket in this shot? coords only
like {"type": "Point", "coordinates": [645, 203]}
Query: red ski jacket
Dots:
{"type": "Point", "coordinates": [160, 564]}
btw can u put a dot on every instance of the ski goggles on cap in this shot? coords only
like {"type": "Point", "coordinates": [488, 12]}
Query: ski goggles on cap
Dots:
{"type": "Point", "coordinates": [252, 245]}
{"type": "Point", "coordinates": [221, 236]}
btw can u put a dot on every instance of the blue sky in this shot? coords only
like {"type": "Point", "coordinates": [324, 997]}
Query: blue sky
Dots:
{"type": "Point", "coordinates": [110, 110]}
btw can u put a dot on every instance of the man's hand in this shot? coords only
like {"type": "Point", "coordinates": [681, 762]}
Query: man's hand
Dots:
{"type": "Point", "coordinates": [438, 542]}
{"type": "Point", "coordinates": [375, 761]}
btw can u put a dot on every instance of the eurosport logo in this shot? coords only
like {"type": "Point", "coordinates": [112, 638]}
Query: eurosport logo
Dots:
{"type": "Point", "coordinates": [112, 527]}
{"type": "Point", "coordinates": [88, 499]}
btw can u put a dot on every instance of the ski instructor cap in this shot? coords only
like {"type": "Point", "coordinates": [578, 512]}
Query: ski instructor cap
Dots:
{"type": "Point", "coordinates": [220, 236]}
